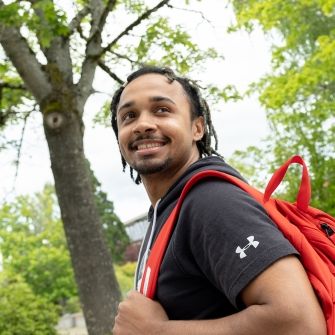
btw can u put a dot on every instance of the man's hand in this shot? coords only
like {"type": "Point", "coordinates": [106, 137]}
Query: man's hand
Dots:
{"type": "Point", "coordinates": [138, 315]}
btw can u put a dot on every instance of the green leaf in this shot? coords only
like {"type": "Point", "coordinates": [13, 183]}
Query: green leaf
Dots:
{"type": "Point", "coordinates": [22, 312]}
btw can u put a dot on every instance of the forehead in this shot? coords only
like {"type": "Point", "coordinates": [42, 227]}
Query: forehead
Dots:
{"type": "Point", "coordinates": [150, 85]}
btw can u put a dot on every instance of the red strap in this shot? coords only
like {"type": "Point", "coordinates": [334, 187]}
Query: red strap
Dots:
{"type": "Point", "coordinates": [151, 270]}
{"type": "Point", "coordinates": [304, 194]}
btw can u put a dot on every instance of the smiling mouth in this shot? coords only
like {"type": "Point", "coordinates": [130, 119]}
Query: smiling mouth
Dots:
{"type": "Point", "coordinates": [141, 144]}
{"type": "Point", "coordinates": [146, 146]}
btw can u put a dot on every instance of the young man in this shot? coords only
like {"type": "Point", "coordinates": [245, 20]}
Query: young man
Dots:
{"type": "Point", "coordinates": [164, 132]}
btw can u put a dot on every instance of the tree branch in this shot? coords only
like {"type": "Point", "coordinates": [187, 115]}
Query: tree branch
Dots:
{"type": "Point", "coordinates": [109, 7]}
{"type": "Point", "coordinates": [18, 156]}
{"type": "Point", "coordinates": [191, 11]}
{"type": "Point", "coordinates": [11, 86]}
{"type": "Point", "coordinates": [19, 149]}
{"type": "Point", "coordinates": [25, 62]}
{"type": "Point", "coordinates": [138, 21]}
{"type": "Point", "coordinates": [58, 52]}
{"type": "Point", "coordinates": [103, 66]}
{"type": "Point", "coordinates": [94, 50]}
{"type": "Point", "coordinates": [96, 10]}
{"type": "Point", "coordinates": [93, 47]}
{"type": "Point", "coordinates": [118, 55]}
{"type": "Point", "coordinates": [75, 22]}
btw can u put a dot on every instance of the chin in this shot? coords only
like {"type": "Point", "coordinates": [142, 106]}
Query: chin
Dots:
{"type": "Point", "coordinates": [148, 168]}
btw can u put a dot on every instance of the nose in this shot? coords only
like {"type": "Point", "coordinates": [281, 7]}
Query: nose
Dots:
{"type": "Point", "coordinates": [144, 124]}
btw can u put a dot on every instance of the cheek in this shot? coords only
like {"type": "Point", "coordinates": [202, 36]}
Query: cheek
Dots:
{"type": "Point", "coordinates": [122, 140]}
{"type": "Point", "coordinates": [178, 127]}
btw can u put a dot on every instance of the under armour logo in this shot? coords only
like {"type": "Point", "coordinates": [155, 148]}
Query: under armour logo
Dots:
{"type": "Point", "coordinates": [252, 242]}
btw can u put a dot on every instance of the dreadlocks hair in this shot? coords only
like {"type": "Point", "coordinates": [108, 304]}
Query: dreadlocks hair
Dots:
{"type": "Point", "coordinates": [199, 107]}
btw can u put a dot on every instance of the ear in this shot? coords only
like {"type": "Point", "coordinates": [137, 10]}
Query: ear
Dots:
{"type": "Point", "coordinates": [198, 128]}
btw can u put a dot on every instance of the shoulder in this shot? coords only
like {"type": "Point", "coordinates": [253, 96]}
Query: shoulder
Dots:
{"type": "Point", "coordinates": [218, 210]}
{"type": "Point", "coordinates": [213, 196]}
{"type": "Point", "coordinates": [223, 227]}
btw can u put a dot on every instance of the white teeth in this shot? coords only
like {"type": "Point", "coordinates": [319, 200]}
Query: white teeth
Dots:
{"type": "Point", "coordinates": [148, 146]}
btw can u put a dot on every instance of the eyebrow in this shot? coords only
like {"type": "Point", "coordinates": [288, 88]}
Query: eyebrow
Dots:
{"type": "Point", "coordinates": [152, 99]}
{"type": "Point", "coordinates": [160, 98]}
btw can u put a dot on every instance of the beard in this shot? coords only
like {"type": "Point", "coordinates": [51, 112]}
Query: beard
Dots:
{"type": "Point", "coordinates": [147, 167]}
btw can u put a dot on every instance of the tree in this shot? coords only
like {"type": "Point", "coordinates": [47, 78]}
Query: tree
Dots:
{"type": "Point", "coordinates": [52, 55]}
{"type": "Point", "coordinates": [299, 94]}
{"type": "Point", "coordinates": [22, 312]}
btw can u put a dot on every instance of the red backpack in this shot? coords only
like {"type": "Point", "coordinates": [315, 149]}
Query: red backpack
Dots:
{"type": "Point", "coordinates": [310, 231]}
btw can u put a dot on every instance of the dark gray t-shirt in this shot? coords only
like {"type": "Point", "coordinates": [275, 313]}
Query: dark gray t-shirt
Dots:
{"type": "Point", "coordinates": [223, 239]}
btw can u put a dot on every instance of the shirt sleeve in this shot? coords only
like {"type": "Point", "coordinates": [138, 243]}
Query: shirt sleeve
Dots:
{"type": "Point", "coordinates": [230, 235]}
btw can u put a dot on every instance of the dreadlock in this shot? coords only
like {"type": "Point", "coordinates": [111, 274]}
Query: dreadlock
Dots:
{"type": "Point", "coordinates": [199, 107]}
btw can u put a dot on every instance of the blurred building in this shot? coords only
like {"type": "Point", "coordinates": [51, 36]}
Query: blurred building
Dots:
{"type": "Point", "coordinates": [135, 229]}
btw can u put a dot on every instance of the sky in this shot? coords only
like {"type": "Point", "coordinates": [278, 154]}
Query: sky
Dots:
{"type": "Point", "coordinates": [238, 124]}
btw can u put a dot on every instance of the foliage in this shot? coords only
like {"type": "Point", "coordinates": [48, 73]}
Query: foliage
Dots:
{"type": "Point", "coordinates": [125, 275]}
{"type": "Point", "coordinates": [114, 230]}
{"type": "Point", "coordinates": [33, 245]}
{"type": "Point", "coordinates": [24, 13]}
{"type": "Point", "coordinates": [72, 305]}
{"type": "Point", "coordinates": [22, 311]}
{"type": "Point", "coordinates": [173, 44]}
{"type": "Point", "coordinates": [252, 166]}
{"type": "Point", "coordinates": [256, 165]}
{"type": "Point", "coordinates": [14, 98]}
{"type": "Point", "coordinates": [299, 94]}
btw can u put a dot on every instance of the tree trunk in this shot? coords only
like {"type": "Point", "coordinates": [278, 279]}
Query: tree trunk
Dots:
{"type": "Point", "coordinates": [98, 288]}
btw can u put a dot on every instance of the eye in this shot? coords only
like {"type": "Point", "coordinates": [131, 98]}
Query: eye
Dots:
{"type": "Point", "coordinates": [162, 110]}
{"type": "Point", "coordinates": [127, 116]}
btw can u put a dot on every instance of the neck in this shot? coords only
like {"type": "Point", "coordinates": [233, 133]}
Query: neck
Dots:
{"type": "Point", "coordinates": [156, 188]}
{"type": "Point", "coordinates": [157, 185]}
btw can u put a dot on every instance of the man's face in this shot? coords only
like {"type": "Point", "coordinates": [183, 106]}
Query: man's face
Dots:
{"type": "Point", "coordinates": [155, 130]}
